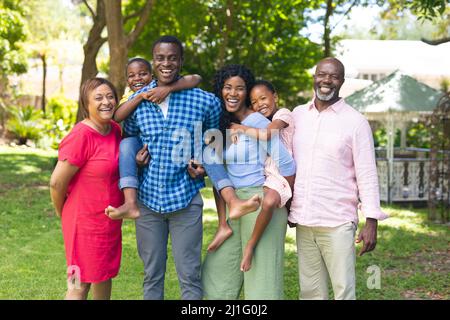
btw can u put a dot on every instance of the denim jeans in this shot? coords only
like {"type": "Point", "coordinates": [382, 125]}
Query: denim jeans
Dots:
{"type": "Point", "coordinates": [128, 169]}
{"type": "Point", "coordinates": [216, 171]}
{"type": "Point", "coordinates": [218, 176]}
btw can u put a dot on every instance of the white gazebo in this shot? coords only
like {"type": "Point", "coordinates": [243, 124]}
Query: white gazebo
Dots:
{"type": "Point", "coordinates": [394, 101]}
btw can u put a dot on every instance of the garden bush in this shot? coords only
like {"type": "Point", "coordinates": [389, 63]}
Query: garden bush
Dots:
{"type": "Point", "coordinates": [25, 123]}
{"type": "Point", "coordinates": [61, 116]}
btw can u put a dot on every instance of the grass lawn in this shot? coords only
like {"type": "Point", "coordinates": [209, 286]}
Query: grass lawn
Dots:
{"type": "Point", "coordinates": [412, 255]}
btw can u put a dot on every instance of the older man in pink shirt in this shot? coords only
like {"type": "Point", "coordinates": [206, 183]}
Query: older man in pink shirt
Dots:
{"type": "Point", "coordinates": [334, 152]}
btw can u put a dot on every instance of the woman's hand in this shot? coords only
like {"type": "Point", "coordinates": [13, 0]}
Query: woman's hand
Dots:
{"type": "Point", "coordinates": [59, 182]}
{"type": "Point", "coordinates": [235, 129]}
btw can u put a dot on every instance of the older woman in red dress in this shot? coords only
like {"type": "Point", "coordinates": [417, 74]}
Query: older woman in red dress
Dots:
{"type": "Point", "coordinates": [83, 184]}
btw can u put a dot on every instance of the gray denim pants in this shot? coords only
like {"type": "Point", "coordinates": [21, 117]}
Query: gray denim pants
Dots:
{"type": "Point", "coordinates": [186, 229]}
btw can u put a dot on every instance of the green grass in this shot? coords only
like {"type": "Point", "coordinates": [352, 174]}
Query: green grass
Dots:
{"type": "Point", "coordinates": [412, 254]}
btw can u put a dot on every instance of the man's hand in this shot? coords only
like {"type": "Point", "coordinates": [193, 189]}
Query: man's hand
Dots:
{"type": "Point", "coordinates": [368, 236]}
{"type": "Point", "coordinates": [288, 208]}
{"type": "Point", "coordinates": [195, 170]}
{"type": "Point", "coordinates": [143, 157]}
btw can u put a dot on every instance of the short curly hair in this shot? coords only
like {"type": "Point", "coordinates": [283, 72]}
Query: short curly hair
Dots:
{"type": "Point", "coordinates": [226, 72]}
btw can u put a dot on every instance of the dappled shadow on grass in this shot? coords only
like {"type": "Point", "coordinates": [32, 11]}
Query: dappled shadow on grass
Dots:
{"type": "Point", "coordinates": [25, 169]}
{"type": "Point", "coordinates": [411, 256]}
{"type": "Point", "coordinates": [207, 192]}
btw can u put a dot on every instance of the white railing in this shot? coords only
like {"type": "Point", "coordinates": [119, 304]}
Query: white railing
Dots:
{"type": "Point", "coordinates": [410, 179]}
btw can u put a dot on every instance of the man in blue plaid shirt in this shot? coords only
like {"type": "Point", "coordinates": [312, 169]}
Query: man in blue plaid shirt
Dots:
{"type": "Point", "coordinates": [169, 199]}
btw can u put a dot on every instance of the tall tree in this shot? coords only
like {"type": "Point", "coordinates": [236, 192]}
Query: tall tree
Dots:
{"type": "Point", "coordinates": [12, 54]}
{"type": "Point", "coordinates": [94, 41]}
{"type": "Point", "coordinates": [437, 11]}
{"type": "Point", "coordinates": [119, 40]}
{"type": "Point", "coordinates": [44, 41]}
{"type": "Point", "coordinates": [330, 13]}
{"type": "Point", "coordinates": [264, 35]}
{"type": "Point", "coordinates": [12, 35]}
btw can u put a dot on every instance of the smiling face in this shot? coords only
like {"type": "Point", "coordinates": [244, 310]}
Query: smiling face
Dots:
{"type": "Point", "coordinates": [101, 104]}
{"type": "Point", "coordinates": [166, 62]}
{"type": "Point", "coordinates": [234, 93]}
{"type": "Point", "coordinates": [328, 79]}
{"type": "Point", "coordinates": [263, 100]}
{"type": "Point", "coordinates": [138, 75]}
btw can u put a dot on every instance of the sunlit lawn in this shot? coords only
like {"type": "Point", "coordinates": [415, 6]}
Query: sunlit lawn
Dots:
{"type": "Point", "coordinates": [412, 255]}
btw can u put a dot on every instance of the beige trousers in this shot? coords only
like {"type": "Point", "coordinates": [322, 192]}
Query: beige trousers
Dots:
{"type": "Point", "coordinates": [323, 252]}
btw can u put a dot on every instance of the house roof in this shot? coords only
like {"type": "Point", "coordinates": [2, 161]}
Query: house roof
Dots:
{"type": "Point", "coordinates": [396, 92]}
{"type": "Point", "coordinates": [384, 56]}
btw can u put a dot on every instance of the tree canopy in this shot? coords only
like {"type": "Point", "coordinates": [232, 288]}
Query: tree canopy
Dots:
{"type": "Point", "coordinates": [12, 34]}
{"type": "Point", "coordinates": [263, 35]}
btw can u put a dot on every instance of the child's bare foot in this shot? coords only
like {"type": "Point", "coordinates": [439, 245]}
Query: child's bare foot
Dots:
{"type": "Point", "coordinates": [239, 207]}
{"type": "Point", "coordinates": [246, 262]}
{"type": "Point", "coordinates": [129, 210]}
{"type": "Point", "coordinates": [222, 234]}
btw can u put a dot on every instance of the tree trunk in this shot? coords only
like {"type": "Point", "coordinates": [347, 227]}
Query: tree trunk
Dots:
{"type": "Point", "coordinates": [229, 14]}
{"type": "Point", "coordinates": [92, 47]}
{"type": "Point", "coordinates": [43, 57]}
{"type": "Point", "coordinates": [119, 42]}
{"type": "Point", "coordinates": [118, 50]}
{"type": "Point", "coordinates": [326, 29]}
{"type": "Point", "coordinates": [433, 176]}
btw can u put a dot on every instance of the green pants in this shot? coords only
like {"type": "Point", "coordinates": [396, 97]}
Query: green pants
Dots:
{"type": "Point", "coordinates": [221, 275]}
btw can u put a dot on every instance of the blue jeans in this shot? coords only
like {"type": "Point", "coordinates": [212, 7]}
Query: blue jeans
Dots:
{"type": "Point", "coordinates": [216, 171]}
{"type": "Point", "coordinates": [218, 176]}
{"type": "Point", "coordinates": [128, 169]}
{"type": "Point", "coordinates": [129, 172]}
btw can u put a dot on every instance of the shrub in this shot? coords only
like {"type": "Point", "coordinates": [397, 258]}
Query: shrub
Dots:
{"type": "Point", "coordinates": [26, 123]}
{"type": "Point", "coordinates": [61, 116]}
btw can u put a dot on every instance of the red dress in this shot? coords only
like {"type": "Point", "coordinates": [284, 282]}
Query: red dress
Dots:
{"type": "Point", "coordinates": [93, 241]}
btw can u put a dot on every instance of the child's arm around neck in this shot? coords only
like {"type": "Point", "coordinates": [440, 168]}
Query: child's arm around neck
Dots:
{"type": "Point", "coordinates": [156, 95]}
{"type": "Point", "coordinates": [261, 134]}
{"type": "Point", "coordinates": [127, 107]}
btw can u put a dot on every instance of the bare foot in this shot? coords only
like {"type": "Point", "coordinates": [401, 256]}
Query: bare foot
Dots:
{"type": "Point", "coordinates": [222, 234]}
{"type": "Point", "coordinates": [239, 207]}
{"type": "Point", "coordinates": [246, 262]}
{"type": "Point", "coordinates": [129, 210]}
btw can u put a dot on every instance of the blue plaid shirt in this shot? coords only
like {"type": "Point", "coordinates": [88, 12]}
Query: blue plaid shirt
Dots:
{"type": "Point", "coordinates": [165, 185]}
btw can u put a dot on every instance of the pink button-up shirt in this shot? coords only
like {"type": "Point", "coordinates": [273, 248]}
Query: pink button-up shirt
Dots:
{"type": "Point", "coordinates": [335, 159]}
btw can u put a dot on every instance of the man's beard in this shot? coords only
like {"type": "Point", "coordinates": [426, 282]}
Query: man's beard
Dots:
{"type": "Point", "coordinates": [327, 97]}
